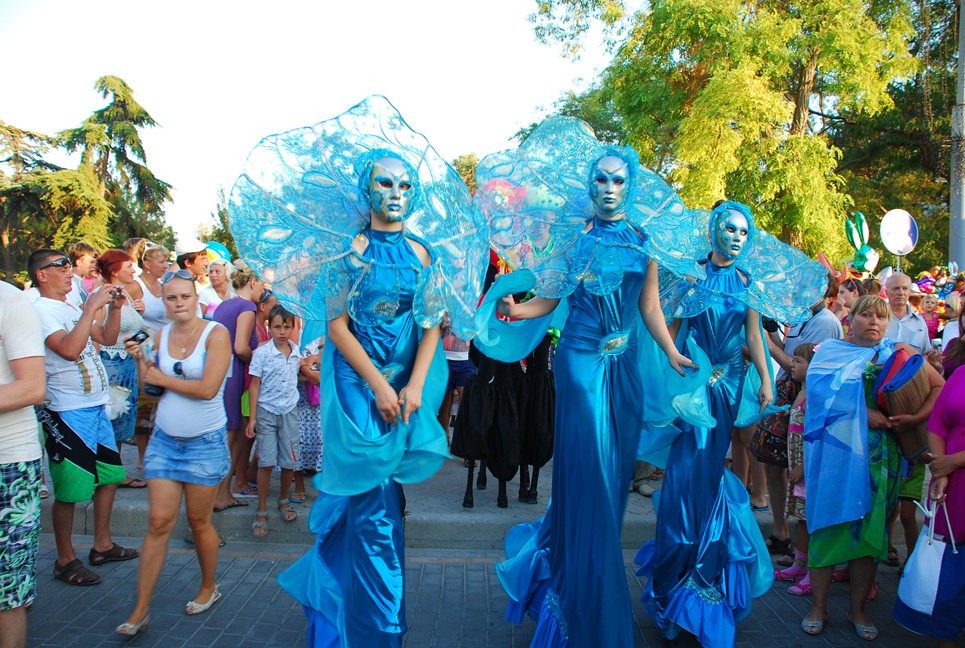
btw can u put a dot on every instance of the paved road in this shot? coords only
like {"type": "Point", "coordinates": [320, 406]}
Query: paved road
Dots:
{"type": "Point", "coordinates": [453, 599]}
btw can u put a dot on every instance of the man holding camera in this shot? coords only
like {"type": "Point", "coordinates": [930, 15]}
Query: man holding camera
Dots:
{"type": "Point", "coordinates": [84, 462]}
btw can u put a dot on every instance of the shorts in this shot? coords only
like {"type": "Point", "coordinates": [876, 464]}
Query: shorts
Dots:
{"type": "Point", "coordinates": [81, 451]}
{"type": "Point", "coordinates": [459, 372]}
{"type": "Point", "coordinates": [20, 527]}
{"type": "Point", "coordinates": [913, 484]}
{"type": "Point", "coordinates": [203, 460]}
{"type": "Point", "coordinates": [277, 439]}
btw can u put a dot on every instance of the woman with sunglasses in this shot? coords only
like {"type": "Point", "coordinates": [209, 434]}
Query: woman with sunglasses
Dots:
{"type": "Point", "coordinates": [188, 453]}
{"type": "Point", "coordinates": [238, 315]}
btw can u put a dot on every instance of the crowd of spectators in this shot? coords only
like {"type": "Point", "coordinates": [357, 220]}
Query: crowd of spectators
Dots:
{"type": "Point", "coordinates": [113, 325]}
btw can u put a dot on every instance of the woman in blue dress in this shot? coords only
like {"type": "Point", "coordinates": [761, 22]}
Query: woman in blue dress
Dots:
{"type": "Point", "coordinates": [383, 372]}
{"type": "Point", "coordinates": [567, 570]}
{"type": "Point", "coordinates": [709, 559]}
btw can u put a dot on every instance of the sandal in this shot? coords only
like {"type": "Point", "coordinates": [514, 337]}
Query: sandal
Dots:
{"type": "Point", "coordinates": [799, 589]}
{"type": "Point", "coordinates": [74, 573]}
{"type": "Point", "coordinates": [812, 627]}
{"type": "Point", "coordinates": [133, 482]}
{"type": "Point", "coordinates": [288, 514]}
{"type": "Point", "coordinates": [785, 560]}
{"type": "Point", "coordinates": [777, 546]}
{"type": "Point", "coordinates": [297, 498]}
{"type": "Point", "coordinates": [116, 553]}
{"type": "Point", "coordinates": [866, 632]}
{"type": "Point", "coordinates": [259, 528]}
{"type": "Point", "coordinates": [840, 576]}
{"type": "Point", "coordinates": [893, 558]}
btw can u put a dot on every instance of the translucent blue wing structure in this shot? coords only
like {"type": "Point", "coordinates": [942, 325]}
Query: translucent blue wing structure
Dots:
{"type": "Point", "coordinates": [297, 207]}
{"type": "Point", "coordinates": [536, 201]}
{"type": "Point", "coordinates": [783, 282]}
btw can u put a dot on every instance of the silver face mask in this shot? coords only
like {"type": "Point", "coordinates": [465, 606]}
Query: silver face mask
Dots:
{"type": "Point", "coordinates": [730, 235]}
{"type": "Point", "coordinates": [608, 186]}
{"type": "Point", "coordinates": [390, 190]}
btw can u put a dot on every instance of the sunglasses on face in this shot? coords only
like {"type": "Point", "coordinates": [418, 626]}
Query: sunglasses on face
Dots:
{"type": "Point", "coordinates": [62, 262]}
{"type": "Point", "coordinates": [180, 274]}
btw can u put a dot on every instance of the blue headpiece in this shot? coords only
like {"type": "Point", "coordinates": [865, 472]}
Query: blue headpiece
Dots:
{"type": "Point", "coordinates": [302, 199]}
{"type": "Point", "coordinates": [536, 199]}
{"type": "Point", "coordinates": [721, 211]}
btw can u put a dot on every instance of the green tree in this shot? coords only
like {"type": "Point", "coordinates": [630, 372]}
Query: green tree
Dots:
{"type": "Point", "coordinates": [220, 231]}
{"type": "Point", "coordinates": [595, 107]}
{"type": "Point", "coordinates": [465, 165]}
{"type": "Point", "coordinates": [110, 145]}
{"type": "Point", "coordinates": [21, 169]}
{"type": "Point", "coordinates": [899, 158]}
{"type": "Point", "coordinates": [729, 96]}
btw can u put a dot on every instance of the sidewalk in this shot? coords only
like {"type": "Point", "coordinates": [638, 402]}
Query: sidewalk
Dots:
{"type": "Point", "coordinates": [453, 595]}
{"type": "Point", "coordinates": [453, 599]}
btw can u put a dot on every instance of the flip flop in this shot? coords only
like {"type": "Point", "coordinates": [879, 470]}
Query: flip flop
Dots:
{"type": "Point", "coordinates": [760, 509]}
{"type": "Point", "coordinates": [116, 553]}
{"type": "Point", "coordinates": [236, 503]}
{"type": "Point", "coordinates": [297, 498]}
{"type": "Point", "coordinates": [133, 483]}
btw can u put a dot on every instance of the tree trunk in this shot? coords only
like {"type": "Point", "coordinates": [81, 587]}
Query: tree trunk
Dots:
{"type": "Point", "coordinates": [802, 98]}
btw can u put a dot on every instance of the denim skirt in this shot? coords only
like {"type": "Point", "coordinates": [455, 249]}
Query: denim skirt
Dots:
{"type": "Point", "coordinates": [202, 460]}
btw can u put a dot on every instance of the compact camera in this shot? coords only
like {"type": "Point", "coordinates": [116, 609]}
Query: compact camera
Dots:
{"type": "Point", "coordinates": [139, 337]}
{"type": "Point", "coordinates": [116, 292]}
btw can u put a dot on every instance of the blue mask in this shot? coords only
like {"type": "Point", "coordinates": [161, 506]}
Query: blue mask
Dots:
{"type": "Point", "coordinates": [730, 233]}
{"type": "Point", "coordinates": [390, 190]}
{"type": "Point", "coordinates": [608, 185]}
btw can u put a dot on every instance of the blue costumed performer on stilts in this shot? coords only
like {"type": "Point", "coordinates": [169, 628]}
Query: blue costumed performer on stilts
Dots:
{"type": "Point", "coordinates": [709, 559]}
{"type": "Point", "coordinates": [610, 221]}
{"type": "Point", "coordinates": [358, 221]}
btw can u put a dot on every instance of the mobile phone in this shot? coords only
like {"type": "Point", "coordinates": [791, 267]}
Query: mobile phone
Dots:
{"type": "Point", "coordinates": [139, 337]}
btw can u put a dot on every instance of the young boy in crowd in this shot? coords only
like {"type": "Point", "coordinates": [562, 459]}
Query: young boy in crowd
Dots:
{"type": "Point", "coordinates": [274, 419]}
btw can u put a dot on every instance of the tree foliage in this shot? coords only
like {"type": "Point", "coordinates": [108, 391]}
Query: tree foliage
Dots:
{"type": "Point", "coordinates": [465, 165]}
{"type": "Point", "coordinates": [728, 97]}
{"type": "Point", "coordinates": [111, 196]}
{"type": "Point", "coordinates": [220, 232]}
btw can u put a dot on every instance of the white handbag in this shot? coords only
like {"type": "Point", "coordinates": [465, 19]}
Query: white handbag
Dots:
{"type": "Point", "coordinates": [918, 588]}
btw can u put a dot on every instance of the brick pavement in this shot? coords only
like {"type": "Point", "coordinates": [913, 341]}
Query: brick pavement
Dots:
{"type": "Point", "coordinates": [453, 599]}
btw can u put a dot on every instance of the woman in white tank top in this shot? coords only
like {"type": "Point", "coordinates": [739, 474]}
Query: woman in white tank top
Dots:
{"type": "Point", "coordinates": [188, 453]}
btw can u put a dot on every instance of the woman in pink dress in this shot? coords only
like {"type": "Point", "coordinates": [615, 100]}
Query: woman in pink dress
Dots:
{"type": "Point", "coordinates": [947, 444]}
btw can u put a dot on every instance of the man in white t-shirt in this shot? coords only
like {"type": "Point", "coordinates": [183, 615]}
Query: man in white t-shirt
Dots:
{"type": "Point", "coordinates": [84, 462]}
{"type": "Point", "coordinates": [22, 386]}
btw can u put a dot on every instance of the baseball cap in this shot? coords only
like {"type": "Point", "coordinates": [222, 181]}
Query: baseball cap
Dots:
{"type": "Point", "coordinates": [189, 246]}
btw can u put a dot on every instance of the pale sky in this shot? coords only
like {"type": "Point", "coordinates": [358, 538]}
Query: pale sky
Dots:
{"type": "Point", "coordinates": [218, 76]}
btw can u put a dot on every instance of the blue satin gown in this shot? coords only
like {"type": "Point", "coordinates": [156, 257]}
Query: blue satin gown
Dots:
{"type": "Point", "coordinates": [567, 569]}
{"type": "Point", "coordinates": [351, 582]}
{"type": "Point", "coordinates": [708, 559]}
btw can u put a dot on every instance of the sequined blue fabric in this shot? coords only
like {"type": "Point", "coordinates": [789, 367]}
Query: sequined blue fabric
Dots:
{"type": "Point", "coordinates": [297, 206]}
{"type": "Point", "coordinates": [708, 559]}
{"type": "Point", "coordinates": [536, 202]}
{"type": "Point", "coordinates": [783, 281]}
